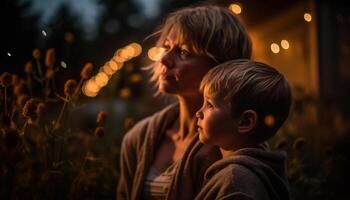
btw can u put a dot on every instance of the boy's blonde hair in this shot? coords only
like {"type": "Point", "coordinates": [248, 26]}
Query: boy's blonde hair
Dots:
{"type": "Point", "coordinates": [248, 84]}
{"type": "Point", "coordinates": [209, 30]}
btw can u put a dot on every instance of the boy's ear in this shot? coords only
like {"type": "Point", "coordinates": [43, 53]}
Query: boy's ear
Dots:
{"type": "Point", "coordinates": [248, 122]}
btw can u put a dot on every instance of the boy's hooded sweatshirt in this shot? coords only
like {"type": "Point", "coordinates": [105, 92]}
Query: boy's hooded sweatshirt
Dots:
{"type": "Point", "coordinates": [252, 173]}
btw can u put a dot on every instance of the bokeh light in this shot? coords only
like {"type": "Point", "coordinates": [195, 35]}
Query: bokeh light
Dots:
{"type": "Point", "coordinates": [285, 44]}
{"type": "Point", "coordinates": [235, 8]}
{"type": "Point", "coordinates": [275, 48]}
{"type": "Point", "coordinates": [307, 17]}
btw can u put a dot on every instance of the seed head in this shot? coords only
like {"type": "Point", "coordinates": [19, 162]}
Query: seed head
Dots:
{"type": "Point", "coordinates": [5, 79]}
{"type": "Point", "coordinates": [69, 87]}
{"type": "Point", "coordinates": [28, 67]}
{"type": "Point", "coordinates": [101, 117]}
{"type": "Point", "coordinates": [86, 72]}
{"type": "Point", "coordinates": [50, 57]}
{"type": "Point", "coordinates": [36, 54]}
{"type": "Point", "coordinates": [29, 110]}
{"type": "Point", "coordinates": [99, 131]}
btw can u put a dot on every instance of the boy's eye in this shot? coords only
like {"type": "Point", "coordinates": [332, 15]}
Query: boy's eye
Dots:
{"type": "Point", "coordinates": [184, 52]}
{"type": "Point", "coordinates": [208, 104]}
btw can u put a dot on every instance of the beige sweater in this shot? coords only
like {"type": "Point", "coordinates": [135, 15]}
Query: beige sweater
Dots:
{"type": "Point", "coordinates": [138, 149]}
{"type": "Point", "coordinates": [253, 173]}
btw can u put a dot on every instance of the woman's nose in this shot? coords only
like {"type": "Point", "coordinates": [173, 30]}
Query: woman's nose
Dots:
{"type": "Point", "coordinates": [167, 59]}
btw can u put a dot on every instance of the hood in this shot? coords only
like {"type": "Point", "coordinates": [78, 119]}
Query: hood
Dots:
{"type": "Point", "coordinates": [269, 166]}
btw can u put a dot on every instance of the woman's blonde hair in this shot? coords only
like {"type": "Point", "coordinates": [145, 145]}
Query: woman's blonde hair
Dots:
{"type": "Point", "coordinates": [247, 84]}
{"type": "Point", "coordinates": [209, 30]}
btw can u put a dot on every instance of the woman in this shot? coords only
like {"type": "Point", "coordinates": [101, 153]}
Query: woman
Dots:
{"type": "Point", "coordinates": [161, 157]}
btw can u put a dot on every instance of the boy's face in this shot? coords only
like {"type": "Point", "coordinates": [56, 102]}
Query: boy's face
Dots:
{"type": "Point", "coordinates": [216, 125]}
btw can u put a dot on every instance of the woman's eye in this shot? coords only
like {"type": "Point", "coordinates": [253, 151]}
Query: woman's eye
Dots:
{"type": "Point", "coordinates": [184, 52]}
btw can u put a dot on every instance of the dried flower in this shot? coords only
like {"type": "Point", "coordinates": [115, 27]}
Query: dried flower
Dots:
{"type": "Point", "coordinates": [101, 117]}
{"type": "Point", "coordinates": [15, 79]}
{"type": "Point", "coordinates": [299, 143]}
{"type": "Point", "coordinates": [5, 79]}
{"type": "Point", "coordinates": [29, 110]}
{"type": "Point", "coordinates": [28, 67]}
{"type": "Point", "coordinates": [36, 54]}
{"type": "Point", "coordinates": [19, 88]}
{"type": "Point", "coordinates": [86, 72]}
{"type": "Point", "coordinates": [99, 131]}
{"type": "Point", "coordinates": [50, 72]}
{"type": "Point", "coordinates": [21, 100]}
{"type": "Point", "coordinates": [128, 123]}
{"type": "Point", "coordinates": [50, 57]}
{"type": "Point", "coordinates": [41, 108]}
{"type": "Point", "coordinates": [69, 87]}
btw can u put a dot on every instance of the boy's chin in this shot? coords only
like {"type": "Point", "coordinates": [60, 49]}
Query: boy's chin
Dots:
{"type": "Point", "coordinates": [203, 139]}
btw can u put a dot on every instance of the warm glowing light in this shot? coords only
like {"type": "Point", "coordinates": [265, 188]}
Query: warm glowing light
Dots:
{"type": "Point", "coordinates": [87, 90]}
{"type": "Point", "coordinates": [275, 48]}
{"type": "Point", "coordinates": [44, 33]}
{"type": "Point", "coordinates": [101, 79]}
{"type": "Point", "coordinates": [155, 53]}
{"type": "Point", "coordinates": [127, 52]}
{"type": "Point", "coordinates": [137, 48]}
{"type": "Point", "coordinates": [235, 8]}
{"type": "Point", "coordinates": [91, 86]}
{"type": "Point", "coordinates": [307, 17]}
{"type": "Point", "coordinates": [285, 44]}
{"type": "Point", "coordinates": [135, 78]}
{"type": "Point", "coordinates": [114, 65]}
{"type": "Point", "coordinates": [269, 120]}
{"type": "Point", "coordinates": [118, 56]}
{"type": "Point", "coordinates": [63, 64]}
{"type": "Point", "coordinates": [107, 69]}
{"type": "Point", "coordinates": [125, 92]}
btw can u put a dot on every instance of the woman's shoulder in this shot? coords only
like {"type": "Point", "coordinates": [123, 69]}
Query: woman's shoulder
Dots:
{"type": "Point", "coordinates": [150, 124]}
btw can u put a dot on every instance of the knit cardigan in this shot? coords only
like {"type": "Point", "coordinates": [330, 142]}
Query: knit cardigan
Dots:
{"type": "Point", "coordinates": [138, 151]}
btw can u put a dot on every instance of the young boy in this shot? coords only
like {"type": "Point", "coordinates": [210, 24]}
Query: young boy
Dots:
{"type": "Point", "coordinates": [245, 103]}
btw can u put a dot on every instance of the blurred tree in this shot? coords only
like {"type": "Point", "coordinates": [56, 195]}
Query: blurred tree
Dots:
{"type": "Point", "coordinates": [19, 33]}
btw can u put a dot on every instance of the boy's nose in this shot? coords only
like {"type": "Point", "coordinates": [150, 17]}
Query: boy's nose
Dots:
{"type": "Point", "coordinates": [199, 113]}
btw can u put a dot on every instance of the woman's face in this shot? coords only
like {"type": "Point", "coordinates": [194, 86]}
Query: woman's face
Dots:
{"type": "Point", "coordinates": [181, 70]}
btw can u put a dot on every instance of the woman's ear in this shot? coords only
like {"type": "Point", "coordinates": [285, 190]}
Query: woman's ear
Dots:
{"type": "Point", "coordinates": [247, 122]}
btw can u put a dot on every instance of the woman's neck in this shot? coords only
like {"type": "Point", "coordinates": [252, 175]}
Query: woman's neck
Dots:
{"type": "Point", "coordinates": [187, 115]}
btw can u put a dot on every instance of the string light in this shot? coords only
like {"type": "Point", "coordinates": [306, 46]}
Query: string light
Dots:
{"type": "Point", "coordinates": [285, 44]}
{"type": "Point", "coordinates": [307, 17]}
{"type": "Point", "coordinates": [275, 48]}
{"type": "Point", "coordinates": [155, 53]}
{"type": "Point", "coordinates": [235, 8]}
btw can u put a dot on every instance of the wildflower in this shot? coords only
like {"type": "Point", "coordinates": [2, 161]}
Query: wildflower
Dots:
{"type": "Point", "coordinates": [5, 79]}
{"type": "Point", "coordinates": [21, 100]}
{"type": "Point", "coordinates": [15, 79]}
{"type": "Point", "coordinates": [69, 87]}
{"type": "Point", "coordinates": [101, 117]}
{"type": "Point", "coordinates": [41, 108]}
{"type": "Point", "coordinates": [29, 110]}
{"type": "Point", "coordinates": [99, 131]}
{"type": "Point", "coordinates": [86, 72]}
{"type": "Point", "coordinates": [281, 145]}
{"type": "Point", "coordinates": [19, 88]}
{"type": "Point", "coordinates": [36, 54]}
{"type": "Point", "coordinates": [299, 143]}
{"type": "Point", "coordinates": [50, 72]}
{"type": "Point", "coordinates": [128, 123]}
{"type": "Point", "coordinates": [50, 57]}
{"type": "Point", "coordinates": [28, 67]}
